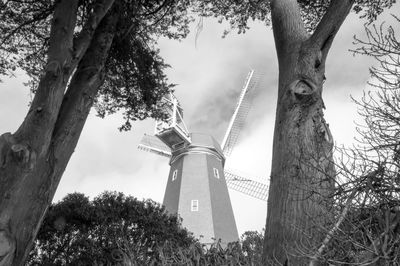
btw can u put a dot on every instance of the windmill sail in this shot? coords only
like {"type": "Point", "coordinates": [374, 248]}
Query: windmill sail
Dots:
{"type": "Point", "coordinates": [155, 145]}
{"type": "Point", "coordinates": [239, 116]}
{"type": "Point", "coordinates": [247, 186]}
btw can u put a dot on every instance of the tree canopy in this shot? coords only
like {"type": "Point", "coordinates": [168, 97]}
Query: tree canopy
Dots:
{"type": "Point", "coordinates": [133, 80]}
{"type": "Point", "coordinates": [239, 13]}
{"type": "Point", "coordinates": [79, 231]}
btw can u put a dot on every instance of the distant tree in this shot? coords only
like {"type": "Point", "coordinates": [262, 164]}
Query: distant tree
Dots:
{"type": "Point", "coordinates": [77, 53]}
{"type": "Point", "coordinates": [252, 246]}
{"type": "Point", "coordinates": [302, 173]}
{"type": "Point", "coordinates": [109, 229]}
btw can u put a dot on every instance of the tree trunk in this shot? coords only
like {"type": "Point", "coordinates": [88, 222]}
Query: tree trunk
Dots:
{"type": "Point", "coordinates": [302, 170]}
{"type": "Point", "coordinates": [33, 159]}
{"type": "Point", "coordinates": [302, 174]}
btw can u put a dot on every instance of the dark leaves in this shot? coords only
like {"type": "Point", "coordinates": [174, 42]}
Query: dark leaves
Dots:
{"type": "Point", "coordinates": [134, 80]}
{"type": "Point", "coordinates": [238, 13]}
{"type": "Point", "coordinates": [77, 230]}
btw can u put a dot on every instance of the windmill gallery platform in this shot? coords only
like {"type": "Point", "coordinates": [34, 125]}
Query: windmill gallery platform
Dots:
{"type": "Point", "coordinates": [201, 198]}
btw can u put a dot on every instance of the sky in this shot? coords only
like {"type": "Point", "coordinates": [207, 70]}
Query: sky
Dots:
{"type": "Point", "coordinates": [209, 76]}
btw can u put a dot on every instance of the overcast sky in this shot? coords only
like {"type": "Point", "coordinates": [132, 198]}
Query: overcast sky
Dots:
{"type": "Point", "coordinates": [209, 77]}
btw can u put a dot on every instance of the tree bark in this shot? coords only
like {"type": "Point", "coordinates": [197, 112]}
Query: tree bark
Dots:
{"type": "Point", "coordinates": [33, 159]}
{"type": "Point", "coordinates": [302, 172]}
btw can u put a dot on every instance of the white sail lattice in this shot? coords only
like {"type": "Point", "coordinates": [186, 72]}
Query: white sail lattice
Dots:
{"type": "Point", "coordinates": [239, 116]}
{"type": "Point", "coordinates": [247, 186]}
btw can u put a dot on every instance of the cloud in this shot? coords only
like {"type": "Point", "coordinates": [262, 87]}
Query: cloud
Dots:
{"type": "Point", "coordinates": [14, 100]}
{"type": "Point", "coordinates": [217, 68]}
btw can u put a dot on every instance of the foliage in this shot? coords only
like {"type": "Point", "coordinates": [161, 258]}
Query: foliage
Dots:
{"type": "Point", "coordinates": [235, 253]}
{"type": "Point", "coordinates": [252, 246]}
{"type": "Point", "coordinates": [77, 231]}
{"type": "Point", "coordinates": [246, 252]}
{"type": "Point", "coordinates": [134, 79]}
{"type": "Point", "coordinates": [198, 254]}
{"type": "Point", "coordinates": [238, 13]}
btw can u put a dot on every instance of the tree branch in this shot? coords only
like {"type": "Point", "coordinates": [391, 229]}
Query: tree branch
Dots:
{"type": "Point", "coordinates": [82, 41]}
{"type": "Point", "coordinates": [156, 10]}
{"type": "Point", "coordinates": [39, 122]}
{"type": "Point", "coordinates": [329, 25]}
{"type": "Point", "coordinates": [287, 24]}
{"type": "Point", "coordinates": [80, 95]}
{"type": "Point", "coordinates": [335, 228]}
{"type": "Point", "coordinates": [42, 16]}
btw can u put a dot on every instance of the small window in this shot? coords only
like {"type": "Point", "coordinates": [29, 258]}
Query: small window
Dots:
{"type": "Point", "coordinates": [174, 175]}
{"type": "Point", "coordinates": [194, 206]}
{"type": "Point", "coordinates": [216, 173]}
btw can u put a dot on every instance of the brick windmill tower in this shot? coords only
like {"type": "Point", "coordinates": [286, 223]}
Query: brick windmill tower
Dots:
{"type": "Point", "coordinates": [197, 187]}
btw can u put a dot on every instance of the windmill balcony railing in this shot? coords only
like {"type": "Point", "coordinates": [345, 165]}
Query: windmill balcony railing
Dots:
{"type": "Point", "coordinates": [162, 126]}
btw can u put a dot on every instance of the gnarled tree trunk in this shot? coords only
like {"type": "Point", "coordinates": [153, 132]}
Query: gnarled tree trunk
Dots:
{"type": "Point", "coordinates": [302, 170]}
{"type": "Point", "coordinates": [33, 159]}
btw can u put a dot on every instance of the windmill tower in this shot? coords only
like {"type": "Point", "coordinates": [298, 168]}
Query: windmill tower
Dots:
{"type": "Point", "coordinates": [197, 182]}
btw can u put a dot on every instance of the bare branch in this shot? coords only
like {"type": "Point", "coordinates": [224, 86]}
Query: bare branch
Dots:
{"type": "Point", "coordinates": [42, 16]}
{"type": "Point", "coordinates": [332, 232]}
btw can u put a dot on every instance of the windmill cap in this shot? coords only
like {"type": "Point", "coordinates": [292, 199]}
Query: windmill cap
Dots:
{"type": "Point", "coordinates": [205, 140]}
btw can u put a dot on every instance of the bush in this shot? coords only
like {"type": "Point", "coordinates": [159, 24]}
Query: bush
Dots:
{"type": "Point", "coordinates": [115, 229]}
{"type": "Point", "coordinates": [77, 231]}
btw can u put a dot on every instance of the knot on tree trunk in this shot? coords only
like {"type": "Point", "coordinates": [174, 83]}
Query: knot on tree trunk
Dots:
{"type": "Point", "coordinates": [6, 140]}
{"type": "Point", "coordinates": [24, 154]}
{"type": "Point", "coordinates": [10, 150]}
{"type": "Point", "coordinates": [304, 91]}
{"type": "Point", "coordinates": [53, 67]}
{"type": "Point", "coordinates": [7, 248]}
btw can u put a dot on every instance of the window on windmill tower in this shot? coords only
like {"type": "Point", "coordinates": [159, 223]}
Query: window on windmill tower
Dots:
{"type": "Point", "coordinates": [216, 173]}
{"type": "Point", "coordinates": [194, 206]}
{"type": "Point", "coordinates": [174, 175]}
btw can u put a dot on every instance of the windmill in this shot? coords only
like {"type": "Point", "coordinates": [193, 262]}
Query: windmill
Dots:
{"type": "Point", "coordinates": [197, 182]}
